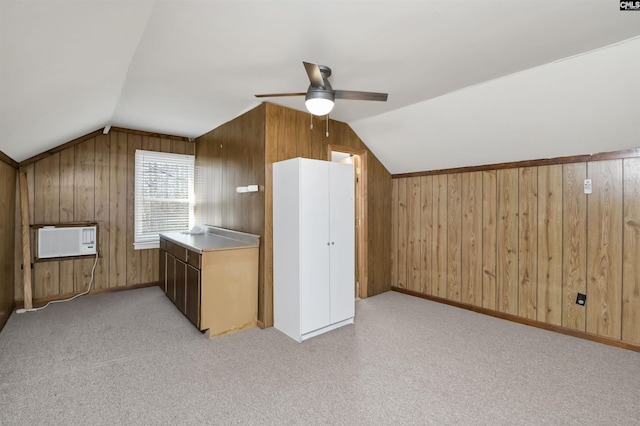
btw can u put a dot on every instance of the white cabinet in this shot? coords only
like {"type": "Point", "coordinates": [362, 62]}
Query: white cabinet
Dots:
{"type": "Point", "coordinates": [313, 247]}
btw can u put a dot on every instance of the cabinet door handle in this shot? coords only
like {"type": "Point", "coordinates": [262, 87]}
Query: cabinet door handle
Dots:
{"type": "Point", "coordinates": [327, 242]}
{"type": "Point", "coordinates": [332, 243]}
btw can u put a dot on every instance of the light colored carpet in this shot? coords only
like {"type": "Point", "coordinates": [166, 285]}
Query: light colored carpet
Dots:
{"type": "Point", "coordinates": [132, 358]}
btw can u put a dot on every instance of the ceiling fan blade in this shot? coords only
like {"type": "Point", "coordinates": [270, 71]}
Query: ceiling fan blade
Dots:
{"type": "Point", "coordinates": [315, 76]}
{"type": "Point", "coordinates": [360, 96]}
{"type": "Point", "coordinates": [274, 95]}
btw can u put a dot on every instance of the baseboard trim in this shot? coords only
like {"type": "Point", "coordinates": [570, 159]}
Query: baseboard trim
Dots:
{"type": "Point", "coordinates": [37, 303]}
{"type": "Point", "coordinates": [525, 321]}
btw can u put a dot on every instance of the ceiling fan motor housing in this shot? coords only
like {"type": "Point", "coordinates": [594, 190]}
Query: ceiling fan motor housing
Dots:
{"type": "Point", "coordinates": [323, 92]}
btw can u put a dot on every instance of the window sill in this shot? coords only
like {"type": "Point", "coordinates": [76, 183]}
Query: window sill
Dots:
{"type": "Point", "coordinates": [147, 245]}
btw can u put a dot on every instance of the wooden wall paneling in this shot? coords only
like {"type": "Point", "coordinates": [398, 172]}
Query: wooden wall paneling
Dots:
{"type": "Point", "coordinates": [17, 242]}
{"type": "Point", "coordinates": [67, 204]}
{"type": "Point", "coordinates": [550, 244]}
{"type": "Point", "coordinates": [439, 251]}
{"type": "Point", "coordinates": [229, 156]}
{"type": "Point", "coordinates": [244, 177]}
{"type": "Point", "coordinates": [287, 148]}
{"type": "Point", "coordinates": [382, 204]}
{"type": "Point", "coordinates": [232, 200]}
{"type": "Point", "coordinates": [46, 190]}
{"type": "Point", "coordinates": [101, 209]}
{"type": "Point", "coordinates": [231, 197]}
{"type": "Point", "coordinates": [489, 238]}
{"type": "Point", "coordinates": [283, 129]}
{"type": "Point", "coordinates": [150, 143]}
{"type": "Point", "coordinates": [394, 232]}
{"type": "Point", "coordinates": [471, 249]}
{"type": "Point", "coordinates": [426, 233]}
{"type": "Point", "coordinates": [166, 145]}
{"type": "Point", "coordinates": [29, 171]}
{"type": "Point", "coordinates": [190, 148]}
{"type": "Point", "coordinates": [318, 139]}
{"type": "Point", "coordinates": [574, 244]}
{"type": "Point", "coordinates": [216, 182]}
{"type": "Point", "coordinates": [507, 241]}
{"type": "Point", "coordinates": [604, 249]}
{"type": "Point", "coordinates": [84, 181]}
{"type": "Point", "coordinates": [134, 143]}
{"type": "Point", "coordinates": [631, 254]}
{"type": "Point", "coordinates": [90, 180]}
{"type": "Point", "coordinates": [8, 261]}
{"type": "Point", "coordinates": [223, 198]}
{"type": "Point", "coordinates": [202, 177]}
{"type": "Point", "coordinates": [402, 233]}
{"type": "Point", "coordinates": [378, 282]}
{"type": "Point", "coordinates": [84, 205]}
{"type": "Point", "coordinates": [46, 275]}
{"type": "Point", "coordinates": [118, 209]}
{"type": "Point", "coordinates": [265, 294]}
{"type": "Point", "coordinates": [528, 242]}
{"type": "Point", "coordinates": [31, 174]}
{"type": "Point", "coordinates": [256, 223]}
{"type": "Point", "coordinates": [303, 135]}
{"type": "Point", "coordinates": [454, 236]}
{"type": "Point", "coordinates": [413, 233]}
{"type": "Point", "coordinates": [18, 288]}
{"type": "Point", "coordinates": [177, 147]}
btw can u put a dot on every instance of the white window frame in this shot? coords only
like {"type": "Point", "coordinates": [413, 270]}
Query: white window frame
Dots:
{"type": "Point", "coordinates": [144, 237]}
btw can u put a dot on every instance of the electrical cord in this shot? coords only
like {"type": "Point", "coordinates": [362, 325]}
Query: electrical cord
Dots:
{"type": "Point", "coordinates": [21, 311]}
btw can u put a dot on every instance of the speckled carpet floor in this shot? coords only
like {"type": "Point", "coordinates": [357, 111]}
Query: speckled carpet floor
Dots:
{"type": "Point", "coordinates": [131, 358]}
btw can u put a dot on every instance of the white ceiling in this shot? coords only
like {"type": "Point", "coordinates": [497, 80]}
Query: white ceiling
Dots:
{"type": "Point", "coordinates": [185, 67]}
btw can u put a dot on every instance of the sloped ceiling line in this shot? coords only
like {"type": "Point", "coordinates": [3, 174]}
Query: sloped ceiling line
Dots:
{"type": "Point", "coordinates": [131, 60]}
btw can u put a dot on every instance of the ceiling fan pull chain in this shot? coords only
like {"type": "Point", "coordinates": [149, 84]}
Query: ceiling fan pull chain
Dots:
{"type": "Point", "coordinates": [327, 125]}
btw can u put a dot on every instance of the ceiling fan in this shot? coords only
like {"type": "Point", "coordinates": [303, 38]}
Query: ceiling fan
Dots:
{"type": "Point", "coordinates": [320, 96]}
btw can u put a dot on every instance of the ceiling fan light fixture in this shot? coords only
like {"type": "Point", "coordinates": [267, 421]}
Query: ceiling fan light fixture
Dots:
{"type": "Point", "coordinates": [319, 102]}
{"type": "Point", "coordinates": [319, 106]}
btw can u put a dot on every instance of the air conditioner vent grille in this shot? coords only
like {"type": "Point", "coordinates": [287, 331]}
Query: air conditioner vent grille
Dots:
{"type": "Point", "coordinates": [61, 241]}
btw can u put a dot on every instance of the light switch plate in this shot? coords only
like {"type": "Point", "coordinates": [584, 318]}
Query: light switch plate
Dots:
{"type": "Point", "coordinates": [588, 188]}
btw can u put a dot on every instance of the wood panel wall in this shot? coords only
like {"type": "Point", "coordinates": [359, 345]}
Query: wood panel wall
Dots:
{"type": "Point", "coordinates": [288, 135]}
{"type": "Point", "coordinates": [8, 174]}
{"type": "Point", "coordinates": [92, 180]}
{"type": "Point", "coordinates": [525, 240]}
{"type": "Point", "coordinates": [229, 156]}
{"type": "Point", "coordinates": [250, 144]}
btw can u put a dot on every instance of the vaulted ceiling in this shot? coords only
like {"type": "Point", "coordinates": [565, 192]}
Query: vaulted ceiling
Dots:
{"type": "Point", "coordinates": [469, 82]}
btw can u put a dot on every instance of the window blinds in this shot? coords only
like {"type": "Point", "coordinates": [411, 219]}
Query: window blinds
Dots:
{"type": "Point", "coordinates": [164, 199]}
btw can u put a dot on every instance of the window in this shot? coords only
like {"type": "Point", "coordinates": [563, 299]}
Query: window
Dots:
{"type": "Point", "coordinates": [164, 199]}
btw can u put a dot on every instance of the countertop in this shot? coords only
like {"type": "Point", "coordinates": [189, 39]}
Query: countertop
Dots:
{"type": "Point", "coordinates": [213, 239]}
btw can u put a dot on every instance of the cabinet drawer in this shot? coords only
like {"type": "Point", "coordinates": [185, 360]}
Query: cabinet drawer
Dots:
{"type": "Point", "coordinates": [194, 259]}
{"type": "Point", "coordinates": [176, 250]}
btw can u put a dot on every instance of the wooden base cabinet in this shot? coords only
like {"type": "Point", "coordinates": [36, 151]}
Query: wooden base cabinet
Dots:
{"type": "Point", "coordinates": [217, 290]}
{"type": "Point", "coordinates": [192, 305]}
{"type": "Point", "coordinates": [180, 280]}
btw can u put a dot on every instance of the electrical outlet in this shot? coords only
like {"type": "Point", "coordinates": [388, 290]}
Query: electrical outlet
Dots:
{"type": "Point", "coordinates": [581, 299]}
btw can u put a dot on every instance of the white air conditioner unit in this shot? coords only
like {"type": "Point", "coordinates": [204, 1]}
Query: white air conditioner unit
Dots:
{"type": "Point", "coordinates": [70, 241]}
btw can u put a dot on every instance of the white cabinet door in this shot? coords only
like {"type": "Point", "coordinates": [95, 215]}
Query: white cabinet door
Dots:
{"type": "Point", "coordinates": [286, 248]}
{"type": "Point", "coordinates": [342, 232]}
{"type": "Point", "coordinates": [315, 297]}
